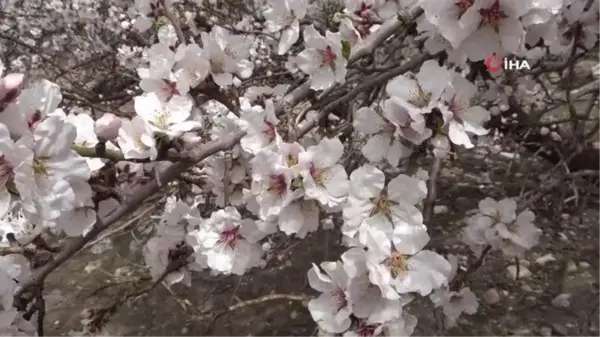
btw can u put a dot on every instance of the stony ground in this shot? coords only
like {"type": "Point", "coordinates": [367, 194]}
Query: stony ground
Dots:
{"type": "Point", "coordinates": [565, 262]}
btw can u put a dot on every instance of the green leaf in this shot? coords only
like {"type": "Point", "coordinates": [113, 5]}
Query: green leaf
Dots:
{"type": "Point", "coordinates": [157, 24]}
{"type": "Point", "coordinates": [346, 49]}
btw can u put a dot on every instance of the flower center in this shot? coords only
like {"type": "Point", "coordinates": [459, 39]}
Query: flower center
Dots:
{"type": "Point", "coordinates": [34, 119]}
{"type": "Point", "coordinates": [363, 10]}
{"type": "Point", "coordinates": [382, 205]}
{"type": "Point", "coordinates": [365, 330]}
{"type": "Point", "coordinates": [339, 298]}
{"type": "Point", "coordinates": [388, 129]}
{"type": "Point", "coordinates": [40, 167]}
{"type": "Point", "coordinates": [318, 175]}
{"type": "Point", "coordinates": [292, 161]}
{"type": "Point", "coordinates": [492, 16]}
{"type": "Point", "coordinates": [277, 184]}
{"type": "Point", "coordinates": [170, 89]}
{"type": "Point", "coordinates": [6, 170]}
{"type": "Point", "coordinates": [270, 130]}
{"type": "Point", "coordinates": [327, 56]}
{"type": "Point", "coordinates": [398, 264]}
{"type": "Point", "coordinates": [229, 237]}
{"type": "Point", "coordinates": [419, 97]}
{"type": "Point", "coordinates": [463, 6]}
{"type": "Point", "coordinates": [457, 107]}
{"type": "Point", "coordinates": [162, 121]}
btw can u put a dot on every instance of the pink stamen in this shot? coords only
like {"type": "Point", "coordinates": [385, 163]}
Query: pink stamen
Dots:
{"type": "Point", "coordinates": [365, 330]}
{"type": "Point", "coordinates": [270, 131]}
{"type": "Point", "coordinates": [170, 89]}
{"type": "Point", "coordinates": [492, 16]}
{"type": "Point", "coordinates": [229, 237]}
{"type": "Point", "coordinates": [456, 107]}
{"type": "Point", "coordinates": [34, 119]}
{"type": "Point", "coordinates": [463, 6]}
{"type": "Point", "coordinates": [277, 184]}
{"type": "Point", "coordinates": [328, 56]}
{"type": "Point", "coordinates": [364, 9]}
{"type": "Point", "coordinates": [339, 298]}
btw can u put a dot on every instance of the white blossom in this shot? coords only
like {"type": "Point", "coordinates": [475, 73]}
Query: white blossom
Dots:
{"type": "Point", "coordinates": [49, 169]}
{"type": "Point", "coordinates": [322, 60]}
{"type": "Point", "coordinates": [136, 139]}
{"type": "Point", "coordinates": [284, 16]}
{"type": "Point", "coordinates": [325, 180]}
{"type": "Point", "coordinates": [228, 243]}
{"type": "Point", "coordinates": [170, 118]}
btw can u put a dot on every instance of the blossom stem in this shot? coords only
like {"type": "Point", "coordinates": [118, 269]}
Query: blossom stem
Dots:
{"type": "Point", "coordinates": [91, 152]}
{"type": "Point", "coordinates": [175, 22]}
{"type": "Point", "coordinates": [116, 155]}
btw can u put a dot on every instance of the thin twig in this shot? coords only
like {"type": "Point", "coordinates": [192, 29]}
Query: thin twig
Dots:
{"type": "Point", "coordinates": [571, 76]}
{"type": "Point", "coordinates": [228, 162]}
{"type": "Point", "coordinates": [461, 278]}
{"type": "Point", "coordinates": [262, 299]}
{"type": "Point", "coordinates": [121, 227]}
{"type": "Point", "coordinates": [175, 22]}
{"type": "Point", "coordinates": [40, 303]}
{"type": "Point", "coordinates": [429, 203]}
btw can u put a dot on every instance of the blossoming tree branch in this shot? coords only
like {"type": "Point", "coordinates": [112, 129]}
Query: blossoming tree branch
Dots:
{"type": "Point", "coordinates": [275, 120]}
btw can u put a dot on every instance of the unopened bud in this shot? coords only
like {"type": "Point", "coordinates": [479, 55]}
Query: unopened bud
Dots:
{"type": "Point", "coordinates": [10, 87]}
{"type": "Point", "coordinates": [107, 127]}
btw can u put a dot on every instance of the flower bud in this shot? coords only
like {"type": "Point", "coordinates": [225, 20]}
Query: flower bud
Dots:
{"type": "Point", "coordinates": [10, 87]}
{"type": "Point", "coordinates": [107, 127]}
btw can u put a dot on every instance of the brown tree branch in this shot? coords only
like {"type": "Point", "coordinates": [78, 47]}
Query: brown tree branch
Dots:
{"type": "Point", "coordinates": [73, 245]}
{"type": "Point", "coordinates": [429, 203]}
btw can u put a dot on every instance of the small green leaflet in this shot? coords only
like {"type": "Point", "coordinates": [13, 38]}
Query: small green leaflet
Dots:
{"type": "Point", "coordinates": [346, 49]}
{"type": "Point", "coordinates": [157, 24]}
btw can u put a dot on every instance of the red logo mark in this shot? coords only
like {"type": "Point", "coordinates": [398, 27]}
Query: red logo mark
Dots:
{"type": "Point", "coordinates": [493, 64]}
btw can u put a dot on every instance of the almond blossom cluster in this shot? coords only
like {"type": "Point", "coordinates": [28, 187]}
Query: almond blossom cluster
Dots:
{"type": "Point", "coordinates": [498, 225]}
{"type": "Point", "coordinates": [276, 179]}
{"type": "Point", "coordinates": [476, 29]}
{"type": "Point", "coordinates": [43, 181]}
